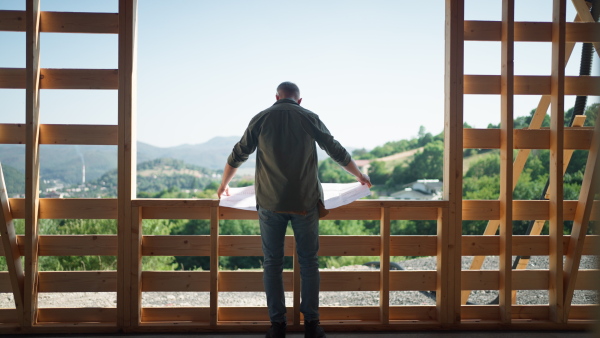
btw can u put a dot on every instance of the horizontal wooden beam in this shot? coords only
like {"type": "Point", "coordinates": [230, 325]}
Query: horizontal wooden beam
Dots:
{"type": "Point", "coordinates": [419, 280]}
{"type": "Point", "coordinates": [574, 138]}
{"type": "Point", "coordinates": [69, 208]}
{"type": "Point", "coordinates": [531, 31]}
{"type": "Point", "coordinates": [194, 245]}
{"type": "Point", "coordinates": [78, 134]}
{"type": "Point", "coordinates": [522, 210]}
{"type": "Point", "coordinates": [78, 281]}
{"type": "Point", "coordinates": [63, 22]}
{"type": "Point", "coordinates": [531, 85]}
{"type": "Point", "coordinates": [176, 314]}
{"type": "Point", "coordinates": [159, 281]}
{"type": "Point", "coordinates": [54, 78]}
{"type": "Point", "coordinates": [524, 280]}
{"type": "Point", "coordinates": [12, 133]}
{"type": "Point", "coordinates": [80, 314]}
{"type": "Point", "coordinates": [523, 245]}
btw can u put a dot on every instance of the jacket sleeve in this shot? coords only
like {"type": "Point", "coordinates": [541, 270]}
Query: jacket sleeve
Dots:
{"type": "Point", "coordinates": [317, 129]}
{"type": "Point", "coordinates": [246, 146]}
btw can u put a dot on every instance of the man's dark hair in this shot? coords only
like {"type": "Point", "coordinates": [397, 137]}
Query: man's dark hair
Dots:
{"type": "Point", "coordinates": [288, 90]}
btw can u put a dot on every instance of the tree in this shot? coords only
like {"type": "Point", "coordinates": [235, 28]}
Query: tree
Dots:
{"type": "Point", "coordinates": [378, 172]}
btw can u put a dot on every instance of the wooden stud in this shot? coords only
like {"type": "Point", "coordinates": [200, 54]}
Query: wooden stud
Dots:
{"type": "Point", "coordinates": [556, 161]}
{"type": "Point", "coordinates": [506, 159]}
{"type": "Point", "coordinates": [11, 250]}
{"type": "Point", "coordinates": [214, 265]}
{"type": "Point", "coordinates": [450, 224]}
{"type": "Point", "coordinates": [443, 268]}
{"type": "Point", "coordinates": [582, 216]}
{"type": "Point", "coordinates": [384, 268]}
{"type": "Point", "coordinates": [127, 75]}
{"type": "Point", "coordinates": [32, 164]}
{"type": "Point", "coordinates": [136, 267]}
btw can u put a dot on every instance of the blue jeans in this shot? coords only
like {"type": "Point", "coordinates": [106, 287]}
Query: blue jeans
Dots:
{"type": "Point", "coordinates": [306, 233]}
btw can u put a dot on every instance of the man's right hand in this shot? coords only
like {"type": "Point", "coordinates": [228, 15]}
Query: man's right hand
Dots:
{"type": "Point", "coordinates": [223, 190]}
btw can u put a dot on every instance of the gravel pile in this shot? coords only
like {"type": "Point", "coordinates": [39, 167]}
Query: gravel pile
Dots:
{"type": "Point", "coordinates": [364, 298]}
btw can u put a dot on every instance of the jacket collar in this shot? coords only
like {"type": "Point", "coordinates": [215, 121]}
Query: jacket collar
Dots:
{"type": "Point", "coordinates": [286, 101]}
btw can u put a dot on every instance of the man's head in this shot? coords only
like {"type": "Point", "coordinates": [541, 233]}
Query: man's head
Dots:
{"type": "Point", "coordinates": [288, 90]}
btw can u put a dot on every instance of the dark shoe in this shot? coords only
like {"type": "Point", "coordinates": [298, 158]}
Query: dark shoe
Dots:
{"type": "Point", "coordinates": [277, 330]}
{"type": "Point", "coordinates": [313, 330]}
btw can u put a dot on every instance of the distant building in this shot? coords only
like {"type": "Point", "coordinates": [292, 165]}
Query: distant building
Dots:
{"type": "Point", "coordinates": [420, 190]}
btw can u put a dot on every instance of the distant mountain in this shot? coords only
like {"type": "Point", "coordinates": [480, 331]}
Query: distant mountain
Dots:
{"type": "Point", "coordinates": [65, 162]}
{"type": "Point", "coordinates": [158, 175]}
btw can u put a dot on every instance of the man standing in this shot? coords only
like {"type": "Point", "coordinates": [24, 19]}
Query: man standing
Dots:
{"type": "Point", "coordinates": [288, 189]}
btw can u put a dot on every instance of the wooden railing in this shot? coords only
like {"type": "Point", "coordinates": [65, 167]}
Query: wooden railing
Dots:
{"type": "Point", "coordinates": [214, 317]}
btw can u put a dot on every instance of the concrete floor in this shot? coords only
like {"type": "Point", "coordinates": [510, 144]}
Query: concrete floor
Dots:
{"type": "Point", "coordinates": [433, 334]}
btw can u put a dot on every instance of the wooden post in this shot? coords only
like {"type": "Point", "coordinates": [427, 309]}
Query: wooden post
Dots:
{"type": "Point", "coordinates": [136, 267]}
{"type": "Point", "coordinates": [32, 163]}
{"type": "Point", "coordinates": [214, 265]}
{"type": "Point", "coordinates": [556, 161]}
{"type": "Point", "coordinates": [443, 268]}
{"type": "Point", "coordinates": [11, 249]}
{"type": "Point", "coordinates": [506, 158]}
{"type": "Point", "coordinates": [126, 155]}
{"type": "Point", "coordinates": [582, 217]}
{"type": "Point", "coordinates": [384, 267]}
{"type": "Point", "coordinates": [451, 228]}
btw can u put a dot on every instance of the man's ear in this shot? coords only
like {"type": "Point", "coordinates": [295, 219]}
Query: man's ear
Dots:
{"type": "Point", "coordinates": [299, 100]}
{"type": "Point", "coordinates": [277, 97]}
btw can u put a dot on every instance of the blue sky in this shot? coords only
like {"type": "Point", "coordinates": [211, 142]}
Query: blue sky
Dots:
{"type": "Point", "coordinates": [372, 70]}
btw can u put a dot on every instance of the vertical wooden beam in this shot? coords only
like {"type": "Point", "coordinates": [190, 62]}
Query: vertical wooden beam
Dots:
{"type": "Point", "coordinates": [443, 268]}
{"type": "Point", "coordinates": [136, 266]}
{"type": "Point", "coordinates": [518, 165]}
{"type": "Point", "coordinates": [582, 217]}
{"type": "Point", "coordinates": [32, 163]}
{"type": "Point", "coordinates": [11, 249]}
{"type": "Point", "coordinates": [297, 288]}
{"type": "Point", "coordinates": [126, 154]}
{"type": "Point", "coordinates": [556, 161]}
{"type": "Point", "coordinates": [506, 158]}
{"type": "Point", "coordinates": [214, 265]}
{"type": "Point", "coordinates": [453, 150]}
{"type": "Point", "coordinates": [384, 267]}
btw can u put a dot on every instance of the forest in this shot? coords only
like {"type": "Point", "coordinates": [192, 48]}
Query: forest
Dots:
{"type": "Point", "coordinates": [481, 181]}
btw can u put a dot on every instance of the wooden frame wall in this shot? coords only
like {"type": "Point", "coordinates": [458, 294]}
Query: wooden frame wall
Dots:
{"type": "Point", "coordinates": [129, 281]}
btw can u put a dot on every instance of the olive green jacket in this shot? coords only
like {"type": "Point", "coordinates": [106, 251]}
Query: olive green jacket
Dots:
{"type": "Point", "coordinates": [286, 162]}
